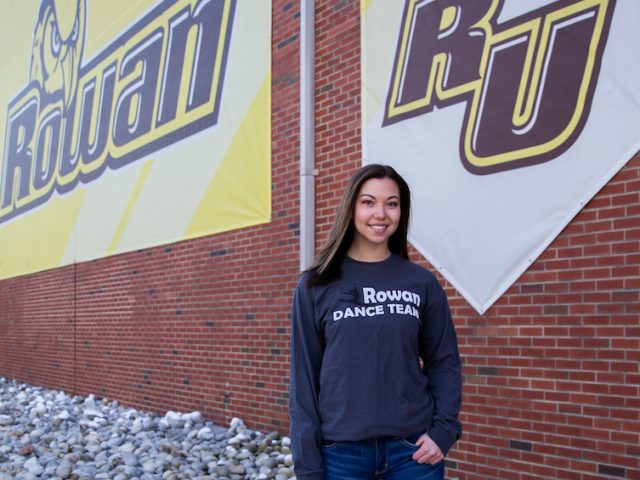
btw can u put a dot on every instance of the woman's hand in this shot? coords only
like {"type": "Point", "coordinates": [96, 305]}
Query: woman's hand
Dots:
{"type": "Point", "coordinates": [428, 451]}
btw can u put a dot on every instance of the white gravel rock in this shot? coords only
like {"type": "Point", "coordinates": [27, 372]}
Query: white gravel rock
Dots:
{"type": "Point", "coordinates": [48, 434]}
{"type": "Point", "coordinates": [33, 466]}
{"type": "Point", "coordinates": [64, 470]}
{"type": "Point", "coordinates": [92, 413]}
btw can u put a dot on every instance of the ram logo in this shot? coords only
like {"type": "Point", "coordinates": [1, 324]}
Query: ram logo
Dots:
{"type": "Point", "coordinates": [58, 40]}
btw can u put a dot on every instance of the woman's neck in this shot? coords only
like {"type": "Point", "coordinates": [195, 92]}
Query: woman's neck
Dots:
{"type": "Point", "coordinates": [369, 253]}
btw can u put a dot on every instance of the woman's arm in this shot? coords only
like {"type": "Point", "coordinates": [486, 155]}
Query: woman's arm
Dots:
{"type": "Point", "coordinates": [304, 387]}
{"type": "Point", "coordinates": [442, 367]}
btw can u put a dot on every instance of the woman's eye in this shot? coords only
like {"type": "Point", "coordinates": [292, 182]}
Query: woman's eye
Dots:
{"type": "Point", "coordinates": [393, 204]}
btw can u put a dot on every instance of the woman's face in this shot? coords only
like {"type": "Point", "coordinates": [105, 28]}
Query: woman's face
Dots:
{"type": "Point", "coordinates": [377, 212]}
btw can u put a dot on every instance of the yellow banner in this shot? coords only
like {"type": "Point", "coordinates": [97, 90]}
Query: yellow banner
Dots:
{"type": "Point", "coordinates": [129, 124]}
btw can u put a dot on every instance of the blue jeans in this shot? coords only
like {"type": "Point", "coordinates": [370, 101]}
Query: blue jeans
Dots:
{"type": "Point", "coordinates": [378, 459]}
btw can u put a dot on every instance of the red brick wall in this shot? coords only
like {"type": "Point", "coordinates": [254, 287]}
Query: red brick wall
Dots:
{"type": "Point", "coordinates": [198, 325]}
{"type": "Point", "coordinates": [552, 380]}
{"type": "Point", "coordinates": [551, 370]}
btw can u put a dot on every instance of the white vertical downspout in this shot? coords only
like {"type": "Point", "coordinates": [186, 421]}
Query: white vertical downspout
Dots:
{"type": "Point", "coordinates": [307, 133]}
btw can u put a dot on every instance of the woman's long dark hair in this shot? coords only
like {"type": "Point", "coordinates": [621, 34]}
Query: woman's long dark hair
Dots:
{"type": "Point", "coordinates": [327, 263]}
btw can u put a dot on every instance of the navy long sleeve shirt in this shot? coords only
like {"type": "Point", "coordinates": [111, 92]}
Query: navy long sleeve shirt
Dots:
{"type": "Point", "coordinates": [373, 354]}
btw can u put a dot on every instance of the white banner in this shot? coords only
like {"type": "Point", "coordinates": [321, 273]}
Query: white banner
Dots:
{"type": "Point", "coordinates": [506, 117]}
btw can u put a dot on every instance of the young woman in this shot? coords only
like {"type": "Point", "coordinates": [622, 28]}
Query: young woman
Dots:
{"type": "Point", "coordinates": [375, 372]}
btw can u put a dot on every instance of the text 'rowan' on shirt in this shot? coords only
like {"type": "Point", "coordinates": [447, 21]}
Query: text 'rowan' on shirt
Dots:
{"type": "Point", "coordinates": [371, 295]}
